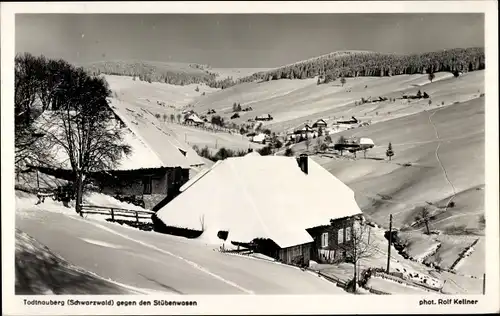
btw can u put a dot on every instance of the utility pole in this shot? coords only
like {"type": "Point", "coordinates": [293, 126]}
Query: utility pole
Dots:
{"type": "Point", "coordinates": [389, 245]}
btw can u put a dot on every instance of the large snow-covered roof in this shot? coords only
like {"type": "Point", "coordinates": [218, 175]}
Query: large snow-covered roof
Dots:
{"type": "Point", "coordinates": [260, 197]}
{"type": "Point", "coordinates": [166, 145]}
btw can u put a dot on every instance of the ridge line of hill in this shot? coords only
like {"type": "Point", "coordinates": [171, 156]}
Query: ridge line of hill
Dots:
{"type": "Point", "coordinates": [331, 65]}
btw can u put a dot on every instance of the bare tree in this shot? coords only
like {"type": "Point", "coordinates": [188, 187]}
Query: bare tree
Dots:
{"type": "Point", "coordinates": [389, 152]}
{"type": "Point", "coordinates": [342, 81]}
{"type": "Point", "coordinates": [172, 118]}
{"type": "Point", "coordinates": [319, 143]}
{"type": "Point", "coordinates": [27, 87]}
{"type": "Point", "coordinates": [308, 142]}
{"type": "Point", "coordinates": [340, 143]}
{"type": "Point", "coordinates": [424, 216]}
{"type": "Point", "coordinates": [431, 76]}
{"type": "Point", "coordinates": [81, 127]}
{"type": "Point", "coordinates": [358, 247]}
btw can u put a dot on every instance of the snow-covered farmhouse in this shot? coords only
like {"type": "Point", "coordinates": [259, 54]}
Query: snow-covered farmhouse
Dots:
{"type": "Point", "coordinates": [157, 166]}
{"type": "Point", "coordinates": [291, 209]}
{"type": "Point", "coordinates": [260, 138]}
{"type": "Point", "coordinates": [194, 119]}
{"type": "Point", "coordinates": [320, 124]}
{"type": "Point", "coordinates": [266, 117]}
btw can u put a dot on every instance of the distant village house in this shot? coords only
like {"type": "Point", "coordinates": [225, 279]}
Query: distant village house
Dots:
{"type": "Point", "coordinates": [266, 117]}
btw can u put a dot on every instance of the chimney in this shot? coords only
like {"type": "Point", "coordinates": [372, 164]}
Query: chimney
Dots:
{"type": "Point", "coordinates": [302, 160]}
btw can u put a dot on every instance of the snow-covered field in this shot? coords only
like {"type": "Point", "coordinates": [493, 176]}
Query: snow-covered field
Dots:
{"type": "Point", "coordinates": [174, 96]}
{"type": "Point", "coordinates": [443, 250]}
{"type": "Point", "coordinates": [39, 271]}
{"type": "Point", "coordinates": [393, 287]}
{"type": "Point", "coordinates": [293, 102]}
{"type": "Point", "coordinates": [235, 73]}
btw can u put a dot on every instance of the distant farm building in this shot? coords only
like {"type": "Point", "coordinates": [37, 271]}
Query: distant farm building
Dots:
{"type": "Point", "coordinates": [279, 206]}
{"type": "Point", "coordinates": [353, 120]}
{"type": "Point", "coordinates": [365, 143]}
{"type": "Point", "coordinates": [260, 138]}
{"type": "Point", "coordinates": [194, 119]}
{"type": "Point", "coordinates": [320, 124]}
{"type": "Point", "coordinates": [266, 117]}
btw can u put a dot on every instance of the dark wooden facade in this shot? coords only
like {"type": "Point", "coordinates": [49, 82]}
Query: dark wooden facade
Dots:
{"type": "Point", "coordinates": [331, 241]}
{"type": "Point", "coordinates": [329, 245]}
{"type": "Point", "coordinates": [150, 185]}
{"type": "Point", "coordinates": [297, 255]}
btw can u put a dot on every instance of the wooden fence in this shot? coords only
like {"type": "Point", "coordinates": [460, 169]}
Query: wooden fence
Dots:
{"type": "Point", "coordinates": [394, 278]}
{"type": "Point", "coordinates": [333, 279]}
{"type": "Point", "coordinates": [117, 213]}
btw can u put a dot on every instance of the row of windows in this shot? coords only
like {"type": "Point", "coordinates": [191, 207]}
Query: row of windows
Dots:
{"type": "Point", "coordinates": [340, 236]}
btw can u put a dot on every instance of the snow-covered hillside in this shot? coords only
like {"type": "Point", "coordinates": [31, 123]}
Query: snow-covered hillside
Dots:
{"type": "Point", "coordinates": [293, 102]}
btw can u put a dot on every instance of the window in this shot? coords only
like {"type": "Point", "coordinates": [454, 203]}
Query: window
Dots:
{"type": "Point", "coordinates": [324, 240]}
{"type": "Point", "coordinates": [347, 233]}
{"type": "Point", "coordinates": [147, 184]}
{"type": "Point", "coordinates": [340, 236]}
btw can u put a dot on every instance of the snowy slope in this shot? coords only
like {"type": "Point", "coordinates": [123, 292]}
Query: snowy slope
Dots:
{"type": "Point", "coordinates": [146, 99]}
{"type": "Point", "coordinates": [293, 102]}
{"type": "Point", "coordinates": [385, 187]}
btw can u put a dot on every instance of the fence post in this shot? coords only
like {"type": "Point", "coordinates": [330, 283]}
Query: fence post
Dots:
{"type": "Point", "coordinates": [112, 215]}
{"type": "Point", "coordinates": [137, 217]}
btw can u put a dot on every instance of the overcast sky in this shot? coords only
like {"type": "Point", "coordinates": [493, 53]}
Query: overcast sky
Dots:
{"type": "Point", "coordinates": [256, 40]}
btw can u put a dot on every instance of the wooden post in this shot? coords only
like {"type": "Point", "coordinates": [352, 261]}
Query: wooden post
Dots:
{"type": "Point", "coordinates": [369, 233]}
{"type": "Point", "coordinates": [484, 283]}
{"type": "Point", "coordinates": [37, 181]}
{"type": "Point", "coordinates": [389, 245]}
{"type": "Point", "coordinates": [112, 215]}
{"type": "Point", "coordinates": [137, 217]}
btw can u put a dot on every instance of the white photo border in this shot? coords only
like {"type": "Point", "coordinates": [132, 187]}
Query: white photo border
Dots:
{"type": "Point", "coordinates": [255, 304]}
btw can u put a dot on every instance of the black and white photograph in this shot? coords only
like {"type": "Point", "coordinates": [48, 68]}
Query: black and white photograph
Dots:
{"type": "Point", "coordinates": [168, 155]}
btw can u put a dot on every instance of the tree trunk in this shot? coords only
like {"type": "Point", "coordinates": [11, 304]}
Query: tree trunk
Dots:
{"type": "Point", "coordinates": [427, 227]}
{"type": "Point", "coordinates": [355, 277]}
{"type": "Point", "coordinates": [79, 192]}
